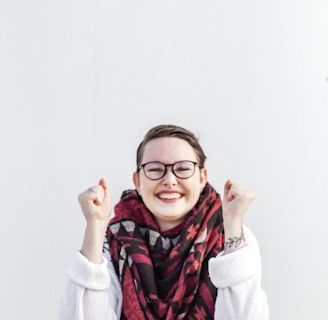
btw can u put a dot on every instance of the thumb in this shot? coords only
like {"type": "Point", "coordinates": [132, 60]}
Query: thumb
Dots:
{"type": "Point", "coordinates": [103, 183]}
{"type": "Point", "coordinates": [105, 194]}
{"type": "Point", "coordinates": [227, 188]}
{"type": "Point", "coordinates": [101, 192]}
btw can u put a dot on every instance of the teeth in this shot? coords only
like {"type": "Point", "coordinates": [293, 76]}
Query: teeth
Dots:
{"type": "Point", "coordinates": [169, 195]}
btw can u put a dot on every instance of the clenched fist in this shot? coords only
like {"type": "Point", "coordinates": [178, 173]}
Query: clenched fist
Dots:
{"type": "Point", "coordinates": [95, 202]}
{"type": "Point", "coordinates": [236, 201]}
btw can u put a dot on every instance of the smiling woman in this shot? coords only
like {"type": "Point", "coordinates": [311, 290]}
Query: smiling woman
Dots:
{"type": "Point", "coordinates": [173, 249]}
{"type": "Point", "coordinates": [157, 194]}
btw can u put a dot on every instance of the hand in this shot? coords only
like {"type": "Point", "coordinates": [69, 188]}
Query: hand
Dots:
{"type": "Point", "coordinates": [95, 202]}
{"type": "Point", "coordinates": [236, 201]}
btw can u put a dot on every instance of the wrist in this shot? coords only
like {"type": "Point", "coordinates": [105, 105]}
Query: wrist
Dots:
{"type": "Point", "coordinates": [92, 247]}
{"type": "Point", "coordinates": [96, 224]}
{"type": "Point", "coordinates": [234, 239]}
{"type": "Point", "coordinates": [232, 225]}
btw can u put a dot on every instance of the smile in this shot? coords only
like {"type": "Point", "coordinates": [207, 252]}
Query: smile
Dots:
{"type": "Point", "coordinates": [169, 196]}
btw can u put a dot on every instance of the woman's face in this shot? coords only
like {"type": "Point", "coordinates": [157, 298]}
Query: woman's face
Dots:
{"type": "Point", "coordinates": [170, 199]}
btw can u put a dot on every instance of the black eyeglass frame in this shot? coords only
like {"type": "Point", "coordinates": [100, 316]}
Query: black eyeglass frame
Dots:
{"type": "Point", "coordinates": [165, 169]}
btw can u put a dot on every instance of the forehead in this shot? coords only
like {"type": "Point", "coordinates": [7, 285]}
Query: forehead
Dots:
{"type": "Point", "coordinates": [168, 150]}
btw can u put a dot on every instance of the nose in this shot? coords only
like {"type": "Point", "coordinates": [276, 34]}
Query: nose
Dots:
{"type": "Point", "coordinates": [169, 178]}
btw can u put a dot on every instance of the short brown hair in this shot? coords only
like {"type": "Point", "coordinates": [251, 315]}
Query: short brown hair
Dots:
{"type": "Point", "coordinates": [169, 130]}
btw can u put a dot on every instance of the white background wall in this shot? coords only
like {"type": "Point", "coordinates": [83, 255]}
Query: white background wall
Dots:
{"type": "Point", "coordinates": [82, 81]}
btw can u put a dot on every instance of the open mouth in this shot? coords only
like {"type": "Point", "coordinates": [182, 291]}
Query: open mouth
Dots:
{"type": "Point", "coordinates": [169, 196]}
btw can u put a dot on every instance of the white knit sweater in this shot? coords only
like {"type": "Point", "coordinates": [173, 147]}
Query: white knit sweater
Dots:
{"type": "Point", "coordinates": [93, 291]}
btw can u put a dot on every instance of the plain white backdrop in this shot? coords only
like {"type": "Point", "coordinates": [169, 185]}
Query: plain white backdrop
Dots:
{"type": "Point", "coordinates": [82, 81]}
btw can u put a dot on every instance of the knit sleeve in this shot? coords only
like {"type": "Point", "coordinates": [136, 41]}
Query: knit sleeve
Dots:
{"type": "Point", "coordinates": [237, 276]}
{"type": "Point", "coordinates": [91, 291]}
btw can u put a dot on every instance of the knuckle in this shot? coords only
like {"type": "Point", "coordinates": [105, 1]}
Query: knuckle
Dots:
{"type": "Point", "coordinates": [80, 197]}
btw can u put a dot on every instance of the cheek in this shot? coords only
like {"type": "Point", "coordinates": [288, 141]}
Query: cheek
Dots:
{"type": "Point", "coordinates": [196, 194]}
{"type": "Point", "coordinates": [199, 183]}
{"type": "Point", "coordinates": [194, 190]}
{"type": "Point", "coordinates": [197, 190]}
{"type": "Point", "coordinates": [144, 188]}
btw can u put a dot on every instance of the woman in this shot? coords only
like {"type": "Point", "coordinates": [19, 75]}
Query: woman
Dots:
{"type": "Point", "coordinates": [173, 249]}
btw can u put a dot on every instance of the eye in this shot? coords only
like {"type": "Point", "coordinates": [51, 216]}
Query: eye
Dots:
{"type": "Point", "coordinates": [180, 167]}
{"type": "Point", "coordinates": [154, 167]}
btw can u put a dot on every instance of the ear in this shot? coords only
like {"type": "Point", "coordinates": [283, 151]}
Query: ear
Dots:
{"type": "Point", "coordinates": [203, 177]}
{"type": "Point", "coordinates": [135, 178]}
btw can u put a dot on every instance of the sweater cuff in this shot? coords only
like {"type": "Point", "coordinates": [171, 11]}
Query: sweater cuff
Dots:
{"type": "Point", "coordinates": [227, 270]}
{"type": "Point", "coordinates": [88, 274]}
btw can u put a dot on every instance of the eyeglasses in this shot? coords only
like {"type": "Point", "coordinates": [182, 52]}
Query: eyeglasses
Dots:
{"type": "Point", "coordinates": [156, 170]}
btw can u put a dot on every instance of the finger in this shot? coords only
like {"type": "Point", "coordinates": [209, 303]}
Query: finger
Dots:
{"type": "Point", "coordinates": [92, 190]}
{"type": "Point", "coordinates": [94, 194]}
{"type": "Point", "coordinates": [88, 195]}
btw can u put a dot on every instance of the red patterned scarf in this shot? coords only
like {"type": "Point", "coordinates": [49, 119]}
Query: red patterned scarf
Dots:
{"type": "Point", "coordinates": [164, 275]}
